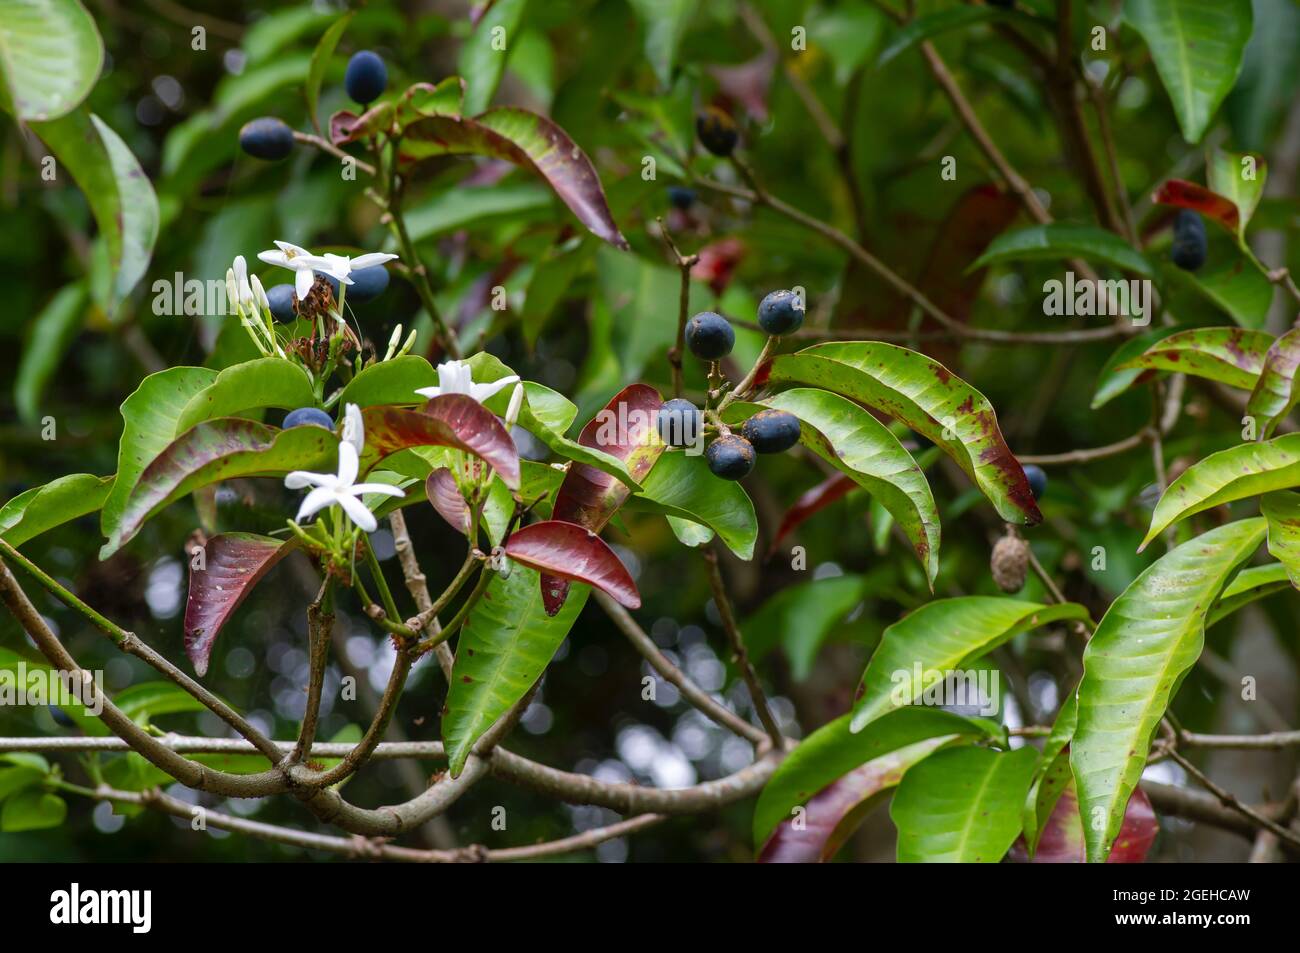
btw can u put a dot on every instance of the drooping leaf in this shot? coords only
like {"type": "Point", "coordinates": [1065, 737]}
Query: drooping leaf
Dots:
{"type": "Point", "coordinates": [626, 429]}
{"type": "Point", "coordinates": [1240, 179]}
{"type": "Point", "coordinates": [442, 492]}
{"type": "Point", "coordinates": [507, 642]}
{"type": "Point", "coordinates": [42, 508]}
{"type": "Point", "coordinates": [450, 420]}
{"type": "Point", "coordinates": [220, 449]}
{"type": "Point", "coordinates": [320, 61]}
{"type": "Point", "coordinates": [1115, 378]}
{"type": "Point", "coordinates": [1062, 836]}
{"type": "Point", "coordinates": [1249, 585]}
{"type": "Point", "coordinates": [849, 438]}
{"type": "Point", "coordinates": [961, 805]}
{"type": "Point", "coordinates": [252, 385]}
{"type": "Point", "coordinates": [1239, 472]}
{"type": "Point", "coordinates": [1151, 635]}
{"type": "Point", "coordinates": [563, 550]}
{"type": "Point", "coordinates": [119, 193]}
{"type": "Point", "coordinates": [943, 636]}
{"type": "Point", "coordinates": [483, 58]}
{"type": "Point", "coordinates": [1060, 240]}
{"type": "Point", "coordinates": [1232, 356]}
{"type": "Point", "coordinates": [1282, 510]}
{"type": "Point", "coordinates": [50, 58]}
{"type": "Point", "coordinates": [681, 486]}
{"type": "Point", "coordinates": [52, 333]}
{"type": "Point", "coordinates": [1197, 46]}
{"type": "Point", "coordinates": [527, 140]}
{"type": "Point", "coordinates": [1275, 392]}
{"type": "Point", "coordinates": [811, 502]}
{"type": "Point", "coordinates": [1217, 208]}
{"type": "Point", "coordinates": [928, 398]}
{"type": "Point", "coordinates": [832, 751]}
{"type": "Point", "coordinates": [233, 563]}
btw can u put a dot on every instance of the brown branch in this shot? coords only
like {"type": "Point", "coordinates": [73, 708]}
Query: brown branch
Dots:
{"type": "Point", "coordinates": [684, 263]}
{"type": "Point", "coordinates": [320, 625]}
{"type": "Point", "coordinates": [1229, 800]}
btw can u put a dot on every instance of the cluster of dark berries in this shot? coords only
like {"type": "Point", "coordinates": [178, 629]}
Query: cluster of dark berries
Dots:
{"type": "Point", "coordinates": [271, 139]}
{"type": "Point", "coordinates": [1188, 250]}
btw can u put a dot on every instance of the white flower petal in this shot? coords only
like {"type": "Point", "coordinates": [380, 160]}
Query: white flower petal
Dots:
{"type": "Point", "coordinates": [357, 510]}
{"type": "Point", "coordinates": [429, 392]}
{"type": "Point", "coordinates": [293, 251]}
{"type": "Point", "coordinates": [482, 392]}
{"type": "Point", "coordinates": [354, 428]}
{"type": "Point", "coordinates": [301, 479]}
{"type": "Point", "coordinates": [275, 258]}
{"type": "Point", "coordinates": [370, 260]}
{"type": "Point", "coordinates": [315, 501]}
{"type": "Point", "coordinates": [302, 282]}
{"type": "Point", "coordinates": [347, 465]}
{"type": "Point", "coordinates": [360, 489]}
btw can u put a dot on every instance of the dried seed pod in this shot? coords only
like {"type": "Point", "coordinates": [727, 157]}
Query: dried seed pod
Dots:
{"type": "Point", "coordinates": [1009, 562]}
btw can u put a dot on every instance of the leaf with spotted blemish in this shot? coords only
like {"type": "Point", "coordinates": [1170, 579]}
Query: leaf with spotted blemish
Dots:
{"type": "Point", "coordinates": [1232, 356]}
{"type": "Point", "coordinates": [1282, 510]}
{"type": "Point", "coordinates": [1275, 392]}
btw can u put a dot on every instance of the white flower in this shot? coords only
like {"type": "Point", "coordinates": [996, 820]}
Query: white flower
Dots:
{"type": "Point", "coordinates": [242, 287]}
{"type": "Point", "coordinates": [455, 377]}
{"type": "Point", "coordinates": [343, 265]}
{"type": "Point", "coordinates": [304, 265]}
{"type": "Point", "coordinates": [339, 490]}
{"type": "Point", "coordinates": [354, 429]}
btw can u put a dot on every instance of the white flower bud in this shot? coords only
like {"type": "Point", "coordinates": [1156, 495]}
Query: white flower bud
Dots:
{"type": "Point", "coordinates": [516, 402]}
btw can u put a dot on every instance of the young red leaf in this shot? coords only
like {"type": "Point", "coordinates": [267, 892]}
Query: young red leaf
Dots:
{"type": "Point", "coordinates": [233, 563]}
{"type": "Point", "coordinates": [564, 551]}
{"type": "Point", "coordinates": [450, 420]}
{"type": "Point", "coordinates": [444, 494]}
{"type": "Point", "coordinates": [589, 497]}
{"type": "Point", "coordinates": [1062, 839]}
{"type": "Point", "coordinates": [818, 498]}
{"type": "Point", "coordinates": [1183, 194]}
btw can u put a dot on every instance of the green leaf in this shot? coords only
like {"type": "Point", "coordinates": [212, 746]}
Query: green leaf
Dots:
{"type": "Point", "coordinates": [849, 438]}
{"type": "Point", "coordinates": [1275, 392]}
{"type": "Point", "coordinates": [1249, 585]}
{"type": "Point", "coordinates": [482, 61]}
{"type": "Point", "coordinates": [1230, 280]}
{"type": "Point", "coordinates": [1232, 356]}
{"type": "Point", "coordinates": [52, 333]}
{"type": "Point", "coordinates": [265, 382]}
{"type": "Point", "coordinates": [832, 751]}
{"type": "Point", "coordinates": [800, 617]}
{"type": "Point", "coordinates": [507, 643]}
{"type": "Point", "coordinates": [32, 811]}
{"type": "Point", "coordinates": [551, 280]}
{"type": "Point", "coordinates": [1059, 240]}
{"type": "Point", "coordinates": [962, 805]}
{"type": "Point", "coordinates": [665, 22]}
{"type": "Point", "coordinates": [1051, 774]}
{"type": "Point", "coordinates": [320, 61]}
{"type": "Point", "coordinates": [1282, 510]}
{"type": "Point", "coordinates": [119, 193]}
{"type": "Point", "coordinates": [1242, 471]}
{"type": "Point", "coordinates": [1197, 46]}
{"type": "Point", "coordinates": [1114, 378]}
{"type": "Point", "coordinates": [390, 382]}
{"type": "Point", "coordinates": [478, 207]}
{"type": "Point", "coordinates": [543, 410]}
{"type": "Point", "coordinates": [1240, 178]}
{"type": "Point", "coordinates": [1151, 635]}
{"type": "Point", "coordinates": [940, 637]}
{"type": "Point", "coordinates": [933, 24]}
{"type": "Point", "coordinates": [144, 702]}
{"type": "Point", "coordinates": [150, 415]}
{"type": "Point", "coordinates": [681, 486]}
{"type": "Point", "coordinates": [927, 397]}
{"type": "Point", "coordinates": [15, 779]}
{"type": "Point", "coordinates": [215, 450]}
{"type": "Point", "coordinates": [42, 508]}
{"type": "Point", "coordinates": [50, 57]}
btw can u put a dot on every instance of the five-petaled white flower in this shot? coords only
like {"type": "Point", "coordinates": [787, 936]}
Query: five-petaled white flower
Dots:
{"type": "Point", "coordinates": [455, 377]}
{"type": "Point", "coordinates": [343, 265]}
{"type": "Point", "coordinates": [339, 490]}
{"type": "Point", "coordinates": [304, 265]}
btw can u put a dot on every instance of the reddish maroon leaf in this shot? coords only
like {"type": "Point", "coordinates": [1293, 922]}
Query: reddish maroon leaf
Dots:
{"type": "Point", "coordinates": [1062, 840]}
{"type": "Point", "coordinates": [832, 815]}
{"type": "Point", "coordinates": [748, 83]}
{"type": "Point", "coordinates": [348, 127]}
{"type": "Point", "coordinates": [525, 139]}
{"type": "Point", "coordinates": [451, 420]}
{"type": "Point", "coordinates": [590, 497]}
{"type": "Point", "coordinates": [1185, 194]}
{"type": "Point", "coordinates": [444, 494]}
{"type": "Point", "coordinates": [717, 262]}
{"type": "Point", "coordinates": [233, 564]}
{"type": "Point", "coordinates": [566, 551]}
{"type": "Point", "coordinates": [818, 498]}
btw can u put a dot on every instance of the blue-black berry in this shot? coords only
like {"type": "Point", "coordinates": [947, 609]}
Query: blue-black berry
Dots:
{"type": "Point", "coordinates": [1037, 480]}
{"type": "Point", "coordinates": [730, 457]}
{"type": "Point", "coordinates": [717, 131]}
{"type": "Point", "coordinates": [308, 417]}
{"type": "Point", "coordinates": [266, 138]}
{"type": "Point", "coordinates": [680, 197]}
{"type": "Point", "coordinates": [771, 431]}
{"type": "Point", "coordinates": [366, 77]}
{"type": "Point", "coordinates": [709, 336]}
{"type": "Point", "coordinates": [280, 298]}
{"type": "Point", "coordinates": [781, 312]}
{"type": "Point", "coordinates": [1188, 250]}
{"type": "Point", "coordinates": [680, 423]}
{"type": "Point", "coordinates": [368, 283]}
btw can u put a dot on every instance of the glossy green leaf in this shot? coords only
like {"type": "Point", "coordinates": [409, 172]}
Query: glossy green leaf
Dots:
{"type": "Point", "coordinates": [1250, 585]}
{"type": "Point", "coordinates": [1282, 510]}
{"type": "Point", "coordinates": [1197, 46]}
{"type": "Point", "coordinates": [962, 805]}
{"type": "Point", "coordinates": [832, 751]}
{"type": "Point", "coordinates": [265, 382]}
{"type": "Point", "coordinates": [215, 450]}
{"type": "Point", "coordinates": [507, 643]}
{"type": "Point", "coordinates": [681, 485]}
{"type": "Point", "coordinates": [42, 508]}
{"type": "Point", "coordinates": [320, 61]}
{"type": "Point", "coordinates": [800, 617]}
{"type": "Point", "coordinates": [146, 701]}
{"type": "Point", "coordinates": [390, 382]}
{"type": "Point", "coordinates": [1148, 639]}
{"type": "Point", "coordinates": [119, 193]}
{"type": "Point", "coordinates": [927, 397]}
{"type": "Point", "coordinates": [1230, 280]}
{"type": "Point", "coordinates": [32, 810]}
{"type": "Point", "coordinates": [944, 636]}
{"type": "Point", "coordinates": [16, 778]}
{"type": "Point", "coordinates": [52, 333]}
{"type": "Point", "coordinates": [50, 57]}
{"type": "Point", "coordinates": [1232, 356]}
{"type": "Point", "coordinates": [1115, 378]}
{"type": "Point", "coordinates": [1275, 392]}
{"type": "Point", "coordinates": [934, 24]}
{"type": "Point", "coordinates": [1242, 471]}
{"type": "Point", "coordinates": [1059, 240]}
{"type": "Point", "coordinates": [482, 59]}
{"type": "Point", "coordinates": [665, 22]}
{"type": "Point", "coordinates": [1240, 178]}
